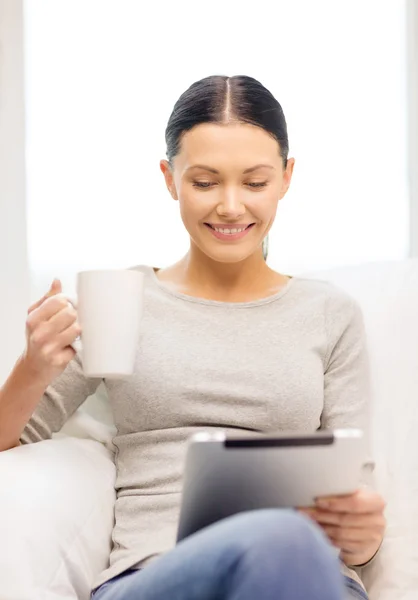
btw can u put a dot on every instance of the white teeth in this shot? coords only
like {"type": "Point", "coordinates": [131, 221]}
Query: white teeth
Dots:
{"type": "Point", "coordinates": [229, 231]}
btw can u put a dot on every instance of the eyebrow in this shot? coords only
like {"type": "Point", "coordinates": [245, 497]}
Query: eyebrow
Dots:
{"type": "Point", "coordinates": [211, 170]}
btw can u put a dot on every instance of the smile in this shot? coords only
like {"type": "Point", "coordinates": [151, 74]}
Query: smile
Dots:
{"type": "Point", "coordinates": [230, 233]}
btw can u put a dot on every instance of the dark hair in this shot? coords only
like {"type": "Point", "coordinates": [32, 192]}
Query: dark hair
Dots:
{"type": "Point", "coordinates": [221, 99]}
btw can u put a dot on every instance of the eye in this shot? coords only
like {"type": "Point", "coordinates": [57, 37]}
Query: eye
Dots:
{"type": "Point", "coordinates": [204, 185]}
{"type": "Point", "coordinates": [258, 184]}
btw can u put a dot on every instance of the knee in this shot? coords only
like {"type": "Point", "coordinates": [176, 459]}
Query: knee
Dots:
{"type": "Point", "coordinates": [277, 531]}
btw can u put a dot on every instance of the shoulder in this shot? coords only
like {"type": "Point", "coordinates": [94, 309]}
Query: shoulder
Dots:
{"type": "Point", "coordinates": [342, 317]}
{"type": "Point", "coordinates": [339, 307]}
{"type": "Point", "coordinates": [333, 296]}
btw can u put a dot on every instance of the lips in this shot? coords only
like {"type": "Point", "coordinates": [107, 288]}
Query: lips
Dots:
{"type": "Point", "coordinates": [229, 229]}
{"type": "Point", "coordinates": [229, 232]}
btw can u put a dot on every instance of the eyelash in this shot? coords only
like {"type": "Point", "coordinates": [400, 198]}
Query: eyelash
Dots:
{"type": "Point", "coordinates": [203, 185]}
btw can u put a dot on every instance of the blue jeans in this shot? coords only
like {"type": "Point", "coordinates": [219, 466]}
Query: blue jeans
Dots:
{"type": "Point", "coordinates": [258, 555]}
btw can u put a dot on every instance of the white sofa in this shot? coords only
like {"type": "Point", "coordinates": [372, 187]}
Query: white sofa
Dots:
{"type": "Point", "coordinates": [56, 500]}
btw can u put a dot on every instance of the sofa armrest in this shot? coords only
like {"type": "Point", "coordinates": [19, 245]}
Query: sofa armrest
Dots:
{"type": "Point", "coordinates": [56, 518]}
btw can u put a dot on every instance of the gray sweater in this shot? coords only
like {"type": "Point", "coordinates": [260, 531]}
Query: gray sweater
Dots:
{"type": "Point", "coordinates": [293, 361]}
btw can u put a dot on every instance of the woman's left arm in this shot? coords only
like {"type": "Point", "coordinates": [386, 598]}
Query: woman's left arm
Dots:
{"type": "Point", "coordinates": [354, 523]}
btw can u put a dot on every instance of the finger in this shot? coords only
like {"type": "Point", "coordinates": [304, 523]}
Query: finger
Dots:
{"type": "Point", "coordinates": [56, 288]}
{"type": "Point", "coordinates": [352, 547]}
{"type": "Point", "coordinates": [345, 536]}
{"type": "Point", "coordinates": [346, 553]}
{"type": "Point", "coordinates": [324, 517]}
{"type": "Point", "coordinates": [62, 357]}
{"type": "Point", "coordinates": [363, 546]}
{"type": "Point", "coordinates": [47, 332]}
{"type": "Point", "coordinates": [326, 501]}
{"type": "Point", "coordinates": [350, 557]}
{"type": "Point", "coordinates": [62, 320]}
{"type": "Point", "coordinates": [362, 501]}
{"type": "Point", "coordinates": [48, 309]}
{"type": "Point", "coordinates": [68, 354]}
{"type": "Point", "coordinates": [348, 548]}
{"type": "Point", "coordinates": [69, 336]}
{"type": "Point", "coordinates": [309, 512]}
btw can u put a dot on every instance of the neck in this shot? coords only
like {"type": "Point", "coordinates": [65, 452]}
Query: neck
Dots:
{"type": "Point", "coordinates": [208, 274]}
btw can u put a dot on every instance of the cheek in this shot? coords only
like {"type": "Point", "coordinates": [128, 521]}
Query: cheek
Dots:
{"type": "Point", "coordinates": [263, 206]}
{"type": "Point", "coordinates": [195, 205]}
{"type": "Point", "coordinates": [191, 210]}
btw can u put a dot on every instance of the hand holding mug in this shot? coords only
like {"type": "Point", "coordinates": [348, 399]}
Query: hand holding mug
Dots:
{"type": "Point", "coordinates": [51, 329]}
{"type": "Point", "coordinates": [107, 311]}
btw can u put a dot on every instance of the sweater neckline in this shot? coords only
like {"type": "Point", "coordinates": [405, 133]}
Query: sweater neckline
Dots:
{"type": "Point", "coordinates": [218, 303]}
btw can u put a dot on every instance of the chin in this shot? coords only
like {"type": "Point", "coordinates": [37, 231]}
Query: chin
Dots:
{"type": "Point", "coordinates": [228, 255]}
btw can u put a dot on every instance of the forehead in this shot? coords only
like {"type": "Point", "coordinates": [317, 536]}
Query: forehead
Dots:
{"type": "Point", "coordinates": [232, 145]}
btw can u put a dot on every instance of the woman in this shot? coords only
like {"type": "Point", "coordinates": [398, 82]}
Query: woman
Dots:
{"type": "Point", "coordinates": [226, 342]}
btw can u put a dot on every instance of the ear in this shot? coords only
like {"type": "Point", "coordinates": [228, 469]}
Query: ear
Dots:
{"type": "Point", "coordinates": [169, 178]}
{"type": "Point", "coordinates": [287, 177]}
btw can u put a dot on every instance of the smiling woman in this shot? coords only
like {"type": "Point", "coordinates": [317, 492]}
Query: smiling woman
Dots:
{"type": "Point", "coordinates": [226, 342]}
{"type": "Point", "coordinates": [227, 166]}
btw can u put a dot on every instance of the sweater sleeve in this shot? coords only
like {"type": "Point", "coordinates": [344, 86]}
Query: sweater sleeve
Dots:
{"type": "Point", "coordinates": [347, 388]}
{"type": "Point", "coordinates": [347, 381]}
{"type": "Point", "coordinates": [60, 400]}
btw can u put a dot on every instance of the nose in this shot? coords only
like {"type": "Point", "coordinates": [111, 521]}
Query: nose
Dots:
{"type": "Point", "coordinates": [230, 205]}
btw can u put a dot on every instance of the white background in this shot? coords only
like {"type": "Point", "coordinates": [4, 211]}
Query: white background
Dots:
{"type": "Point", "coordinates": [103, 76]}
{"type": "Point", "coordinates": [14, 276]}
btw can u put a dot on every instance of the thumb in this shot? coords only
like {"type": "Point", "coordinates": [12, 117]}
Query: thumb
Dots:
{"type": "Point", "coordinates": [56, 288]}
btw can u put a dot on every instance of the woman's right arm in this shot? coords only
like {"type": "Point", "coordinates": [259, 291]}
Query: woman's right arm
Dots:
{"type": "Point", "coordinates": [47, 383]}
{"type": "Point", "coordinates": [19, 396]}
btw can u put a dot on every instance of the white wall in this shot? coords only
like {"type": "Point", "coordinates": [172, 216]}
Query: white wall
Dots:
{"type": "Point", "coordinates": [412, 44]}
{"type": "Point", "coordinates": [14, 283]}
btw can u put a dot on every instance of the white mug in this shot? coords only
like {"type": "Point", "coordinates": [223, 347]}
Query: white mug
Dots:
{"type": "Point", "coordinates": [109, 305]}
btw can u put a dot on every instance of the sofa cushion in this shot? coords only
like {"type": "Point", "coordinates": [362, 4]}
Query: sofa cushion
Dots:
{"type": "Point", "coordinates": [388, 295]}
{"type": "Point", "coordinates": [56, 518]}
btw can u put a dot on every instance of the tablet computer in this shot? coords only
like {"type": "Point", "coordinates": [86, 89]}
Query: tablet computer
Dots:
{"type": "Point", "coordinates": [226, 474]}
